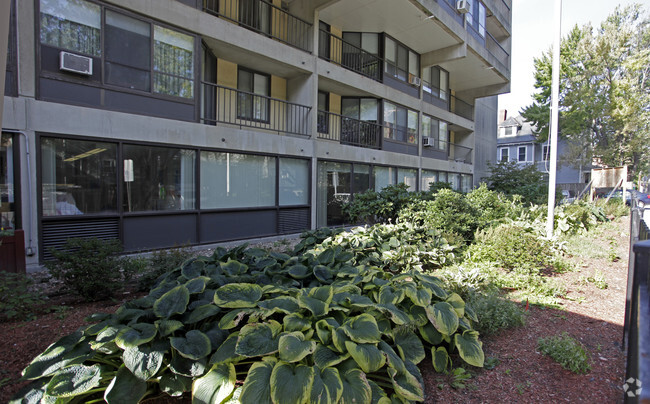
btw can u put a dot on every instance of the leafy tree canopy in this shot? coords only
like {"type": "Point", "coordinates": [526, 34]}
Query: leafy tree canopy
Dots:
{"type": "Point", "coordinates": [511, 178]}
{"type": "Point", "coordinates": [604, 91]}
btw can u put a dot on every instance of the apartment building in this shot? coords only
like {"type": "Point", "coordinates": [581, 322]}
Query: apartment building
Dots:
{"type": "Point", "coordinates": [167, 122]}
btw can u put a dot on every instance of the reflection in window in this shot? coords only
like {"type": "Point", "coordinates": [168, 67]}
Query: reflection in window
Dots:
{"type": "Point", "coordinates": [465, 183]}
{"type": "Point", "coordinates": [454, 180]}
{"type": "Point", "coordinates": [384, 176]}
{"type": "Point", "coordinates": [428, 177]}
{"type": "Point", "coordinates": [361, 178]}
{"type": "Point", "coordinates": [78, 177]}
{"type": "Point", "coordinates": [173, 63]}
{"type": "Point", "coordinates": [7, 184]}
{"type": "Point", "coordinates": [333, 191]}
{"type": "Point", "coordinates": [400, 123]}
{"type": "Point", "coordinates": [409, 177]}
{"type": "Point", "coordinates": [294, 182]}
{"type": "Point", "coordinates": [158, 178]}
{"type": "Point", "coordinates": [231, 180]}
{"type": "Point", "coordinates": [74, 25]}
{"type": "Point", "coordinates": [128, 52]}
{"type": "Point", "coordinates": [252, 101]}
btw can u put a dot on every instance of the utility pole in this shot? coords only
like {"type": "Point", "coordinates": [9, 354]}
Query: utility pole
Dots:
{"type": "Point", "coordinates": [555, 104]}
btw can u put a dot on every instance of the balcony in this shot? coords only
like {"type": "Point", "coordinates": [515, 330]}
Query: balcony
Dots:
{"type": "Point", "coordinates": [460, 153]}
{"type": "Point", "coordinates": [461, 108]}
{"type": "Point", "coordinates": [349, 131]}
{"type": "Point", "coordinates": [264, 18]}
{"type": "Point", "coordinates": [334, 49]}
{"type": "Point", "coordinates": [240, 108]}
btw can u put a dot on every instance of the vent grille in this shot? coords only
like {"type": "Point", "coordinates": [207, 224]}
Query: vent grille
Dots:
{"type": "Point", "coordinates": [55, 234]}
{"type": "Point", "coordinates": [70, 62]}
{"type": "Point", "coordinates": [294, 220]}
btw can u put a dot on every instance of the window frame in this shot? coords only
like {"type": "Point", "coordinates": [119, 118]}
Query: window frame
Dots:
{"type": "Point", "coordinates": [100, 80]}
{"type": "Point", "coordinates": [12, 54]}
{"type": "Point", "coordinates": [396, 64]}
{"type": "Point", "coordinates": [266, 97]}
{"type": "Point", "coordinates": [504, 154]}
{"type": "Point", "coordinates": [391, 127]}
{"type": "Point", "coordinates": [546, 152]}
{"type": "Point", "coordinates": [322, 115]}
{"type": "Point", "coordinates": [519, 154]}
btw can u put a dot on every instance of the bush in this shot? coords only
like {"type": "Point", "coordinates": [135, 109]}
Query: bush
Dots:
{"type": "Point", "coordinates": [495, 313]}
{"type": "Point", "coordinates": [566, 351]}
{"type": "Point", "coordinates": [493, 207]}
{"type": "Point", "coordinates": [615, 207]}
{"type": "Point", "coordinates": [379, 207]}
{"type": "Point", "coordinates": [89, 266]}
{"type": "Point", "coordinates": [17, 301]}
{"type": "Point", "coordinates": [161, 262]}
{"type": "Point", "coordinates": [449, 211]}
{"type": "Point", "coordinates": [513, 248]}
{"type": "Point", "coordinates": [512, 178]}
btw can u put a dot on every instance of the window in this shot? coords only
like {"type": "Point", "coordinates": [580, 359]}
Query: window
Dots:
{"type": "Point", "coordinates": [504, 154]}
{"type": "Point", "coordinates": [252, 101]}
{"type": "Point", "coordinates": [401, 62]}
{"type": "Point", "coordinates": [364, 110]}
{"type": "Point", "coordinates": [255, 14]}
{"type": "Point", "coordinates": [408, 176]}
{"type": "Point", "coordinates": [334, 191]}
{"type": "Point", "coordinates": [136, 54]}
{"type": "Point", "coordinates": [521, 153]}
{"type": "Point", "coordinates": [360, 53]}
{"type": "Point", "coordinates": [436, 82]}
{"type": "Point", "coordinates": [11, 77]}
{"type": "Point", "coordinates": [546, 152]}
{"type": "Point", "coordinates": [231, 180]}
{"type": "Point", "coordinates": [9, 195]}
{"type": "Point", "coordinates": [400, 123]}
{"type": "Point", "coordinates": [323, 40]}
{"type": "Point", "coordinates": [78, 177]}
{"type": "Point", "coordinates": [454, 180]}
{"type": "Point", "coordinates": [509, 131]}
{"type": "Point", "coordinates": [465, 183]}
{"type": "Point", "coordinates": [294, 182]}
{"type": "Point", "coordinates": [427, 178]}
{"type": "Point", "coordinates": [322, 116]}
{"type": "Point", "coordinates": [384, 176]}
{"type": "Point", "coordinates": [158, 178]}
{"type": "Point", "coordinates": [476, 16]}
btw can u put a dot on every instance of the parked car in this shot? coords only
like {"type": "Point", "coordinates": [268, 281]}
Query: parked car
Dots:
{"type": "Point", "coordinates": [642, 199]}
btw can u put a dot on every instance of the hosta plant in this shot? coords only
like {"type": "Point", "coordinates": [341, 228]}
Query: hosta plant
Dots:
{"type": "Point", "coordinates": [315, 327]}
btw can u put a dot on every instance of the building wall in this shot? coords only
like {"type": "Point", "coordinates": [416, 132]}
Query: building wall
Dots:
{"type": "Point", "coordinates": [485, 137]}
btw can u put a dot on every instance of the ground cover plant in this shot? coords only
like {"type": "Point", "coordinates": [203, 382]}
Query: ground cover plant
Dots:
{"type": "Point", "coordinates": [318, 326]}
{"type": "Point", "coordinates": [567, 351]}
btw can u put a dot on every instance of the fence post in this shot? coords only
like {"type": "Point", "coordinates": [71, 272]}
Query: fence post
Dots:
{"type": "Point", "coordinates": [638, 340]}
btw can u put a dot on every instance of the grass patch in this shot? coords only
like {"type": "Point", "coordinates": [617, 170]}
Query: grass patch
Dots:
{"type": "Point", "coordinates": [566, 351]}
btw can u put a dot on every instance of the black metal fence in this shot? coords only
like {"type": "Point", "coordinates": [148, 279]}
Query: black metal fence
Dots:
{"type": "Point", "coordinates": [636, 332]}
{"type": "Point", "coordinates": [349, 131]}
{"type": "Point", "coordinates": [228, 105]}
{"type": "Point", "coordinates": [264, 18]}
{"type": "Point", "coordinates": [336, 50]}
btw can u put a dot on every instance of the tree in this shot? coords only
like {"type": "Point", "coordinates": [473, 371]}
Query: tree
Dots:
{"type": "Point", "coordinates": [511, 178]}
{"type": "Point", "coordinates": [604, 91]}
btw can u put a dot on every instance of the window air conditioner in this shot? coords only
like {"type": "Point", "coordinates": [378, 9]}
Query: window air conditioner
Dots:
{"type": "Point", "coordinates": [428, 141]}
{"type": "Point", "coordinates": [70, 62]}
{"type": "Point", "coordinates": [462, 6]}
{"type": "Point", "coordinates": [415, 80]}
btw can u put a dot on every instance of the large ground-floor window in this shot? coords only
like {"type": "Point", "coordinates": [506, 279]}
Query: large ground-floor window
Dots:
{"type": "Point", "coordinates": [9, 195]}
{"type": "Point", "coordinates": [459, 182]}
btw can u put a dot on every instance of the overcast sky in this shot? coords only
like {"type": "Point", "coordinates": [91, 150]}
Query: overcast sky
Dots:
{"type": "Point", "coordinates": [532, 34]}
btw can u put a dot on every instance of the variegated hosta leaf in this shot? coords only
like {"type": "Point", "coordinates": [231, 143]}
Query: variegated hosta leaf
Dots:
{"type": "Point", "coordinates": [398, 316]}
{"type": "Point", "coordinates": [226, 352]}
{"type": "Point", "coordinates": [394, 361]}
{"type": "Point", "coordinates": [326, 257]}
{"type": "Point", "coordinates": [327, 387]}
{"type": "Point", "coordinates": [215, 386]}
{"type": "Point", "coordinates": [470, 348]}
{"type": "Point", "coordinates": [142, 361]}
{"type": "Point", "coordinates": [174, 385]}
{"type": "Point", "coordinates": [316, 300]}
{"type": "Point", "coordinates": [362, 328]}
{"type": "Point", "coordinates": [125, 388]}
{"type": "Point", "coordinates": [33, 393]}
{"type": "Point", "coordinates": [282, 304]}
{"type": "Point", "coordinates": [173, 302]}
{"type": "Point", "coordinates": [419, 296]}
{"type": "Point", "coordinates": [166, 327]}
{"type": "Point", "coordinates": [323, 274]}
{"type": "Point", "coordinates": [339, 338]}
{"type": "Point", "coordinates": [74, 380]}
{"type": "Point", "coordinates": [70, 349]}
{"type": "Point", "coordinates": [443, 316]}
{"type": "Point", "coordinates": [325, 357]}
{"type": "Point", "coordinates": [232, 318]}
{"type": "Point", "coordinates": [409, 345]}
{"type": "Point", "coordinates": [257, 340]}
{"type": "Point", "coordinates": [233, 267]}
{"type": "Point", "coordinates": [299, 271]}
{"type": "Point", "coordinates": [195, 345]}
{"type": "Point", "coordinates": [388, 294]}
{"type": "Point", "coordinates": [458, 303]}
{"type": "Point", "coordinates": [197, 285]}
{"type": "Point", "coordinates": [201, 313]}
{"type": "Point", "coordinates": [406, 385]}
{"type": "Point", "coordinates": [440, 359]}
{"type": "Point", "coordinates": [187, 367]}
{"type": "Point", "coordinates": [418, 315]}
{"type": "Point", "coordinates": [291, 383]}
{"type": "Point", "coordinates": [136, 334]}
{"type": "Point", "coordinates": [324, 329]}
{"type": "Point", "coordinates": [430, 334]}
{"type": "Point", "coordinates": [257, 386]}
{"type": "Point", "coordinates": [432, 283]}
{"type": "Point", "coordinates": [238, 295]}
{"type": "Point", "coordinates": [379, 396]}
{"type": "Point", "coordinates": [296, 322]}
{"type": "Point", "coordinates": [293, 347]}
{"type": "Point", "coordinates": [355, 387]}
{"type": "Point", "coordinates": [191, 270]}
{"type": "Point", "coordinates": [368, 356]}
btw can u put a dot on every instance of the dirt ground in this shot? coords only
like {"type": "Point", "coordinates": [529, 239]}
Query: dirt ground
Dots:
{"type": "Point", "coordinates": [592, 315]}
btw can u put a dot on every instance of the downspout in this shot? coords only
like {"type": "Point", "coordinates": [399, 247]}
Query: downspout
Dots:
{"type": "Point", "coordinates": [29, 250]}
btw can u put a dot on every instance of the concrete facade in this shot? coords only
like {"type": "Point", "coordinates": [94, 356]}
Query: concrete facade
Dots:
{"type": "Point", "coordinates": [390, 85]}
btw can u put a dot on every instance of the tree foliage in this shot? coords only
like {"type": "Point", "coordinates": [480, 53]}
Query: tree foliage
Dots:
{"type": "Point", "coordinates": [511, 178]}
{"type": "Point", "coordinates": [604, 91]}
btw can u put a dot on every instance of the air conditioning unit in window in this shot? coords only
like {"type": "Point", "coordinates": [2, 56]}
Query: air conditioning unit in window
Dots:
{"type": "Point", "coordinates": [462, 6]}
{"type": "Point", "coordinates": [415, 80]}
{"type": "Point", "coordinates": [428, 141]}
{"type": "Point", "coordinates": [70, 62]}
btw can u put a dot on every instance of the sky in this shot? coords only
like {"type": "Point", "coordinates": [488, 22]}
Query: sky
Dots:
{"type": "Point", "coordinates": [532, 34]}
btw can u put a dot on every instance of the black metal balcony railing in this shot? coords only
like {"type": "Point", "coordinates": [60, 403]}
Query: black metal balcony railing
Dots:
{"type": "Point", "coordinates": [244, 109]}
{"type": "Point", "coordinates": [461, 108]}
{"type": "Point", "coordinates": [460, 153]}
{"type": "Point", "coordinates": [264, 18]}
{"type": "Point", "coordinates": [340, 52]}
{"type": "Point", "coordinates": [349, 131]}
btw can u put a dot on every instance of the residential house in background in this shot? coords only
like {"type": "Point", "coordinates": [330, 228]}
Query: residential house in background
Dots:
{"type": "Point", "coordinates": [169, 122]}
{"type": "Point", "coordinates": [517, 142]}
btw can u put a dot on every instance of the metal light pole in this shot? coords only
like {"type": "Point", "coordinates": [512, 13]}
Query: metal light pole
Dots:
{"type": "Point", "coordinates": [555, 103]}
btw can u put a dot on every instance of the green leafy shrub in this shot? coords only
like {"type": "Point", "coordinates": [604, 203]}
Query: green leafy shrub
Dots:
{"type": "Point", "coordinates": [512, 178]}
{"type": "Point", "coordinates": [449, 212]}
{"type": "Point", "coordinates": [379, 207]}
{"type": "Point", "coordinates": [89, 266]}
{"type": "Point", "coordinates": [613, 208]}
{"type": "Point", "coordinates": [512, 247]}
{"type": "Point", "coordinates": [566, 351]}
{"type": "Point", "coordinates": [434, 187]}
{"type": "Point", "coordinates": [495, 313]}
{"type": "Point", "coordinates": [159, 263]}
{"type": "Point", "coordinates": [314, 326]}
{"type": "Point", "coordinates": [17, 301]}
{"type": "Point", "coordinates": [493, 207]}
